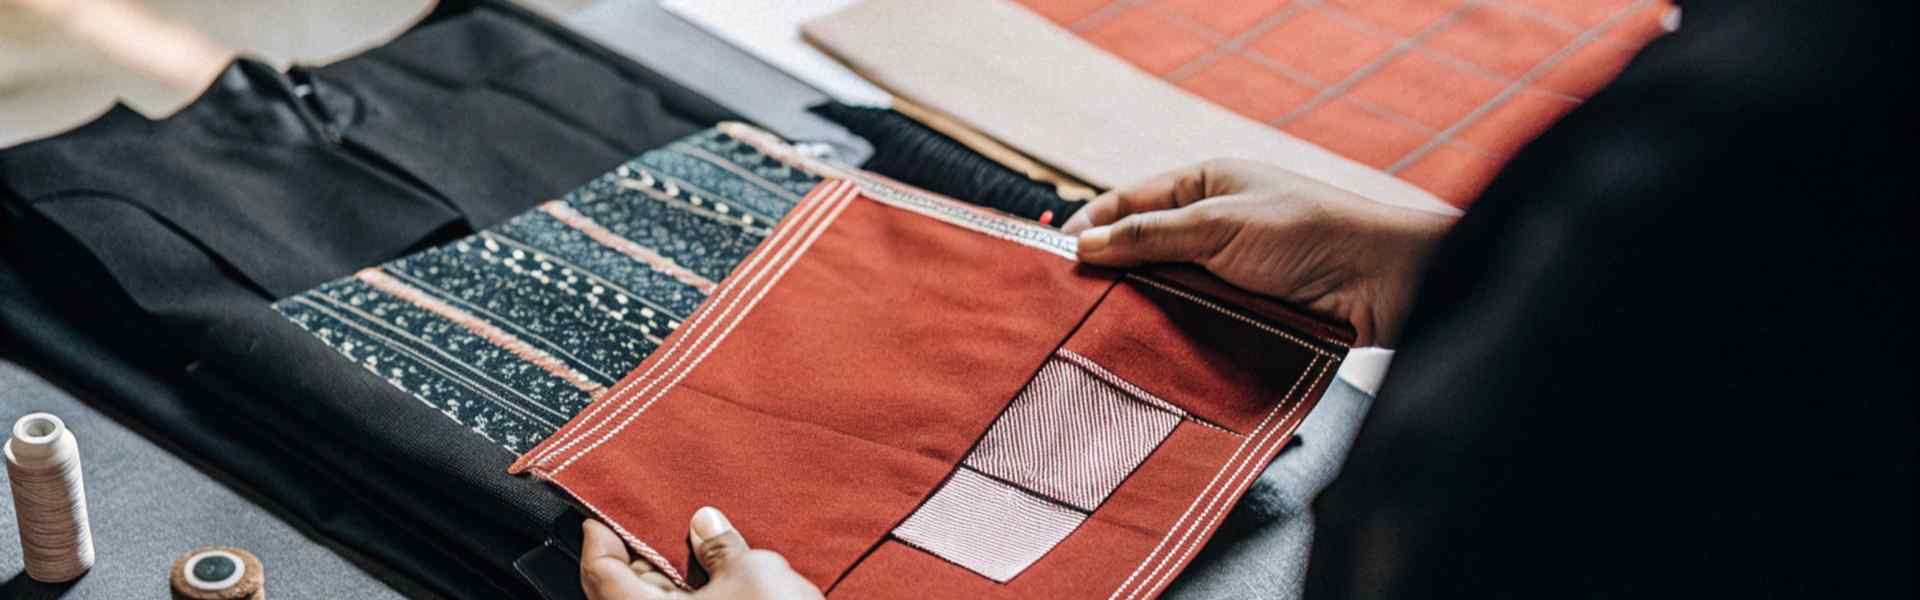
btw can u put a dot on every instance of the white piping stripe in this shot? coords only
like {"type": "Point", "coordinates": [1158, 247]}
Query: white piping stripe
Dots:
{"type": "Point", "coordinates": [701, 321]}
{"type": "Point", "coordinates": [568, 437]}
{"type": "Point", "coordinates": [1237, 315]}
{"type": "Point", "coordinates": [840, 203]}
{"type": "Point", "coordinates": [652, 556]}
{"type": "Point", "coordinates": [1258, 430]}
{"type": "Point", "coordinates": [1249, 471]}
{"type": "Point", "coordinates": [840, 199]}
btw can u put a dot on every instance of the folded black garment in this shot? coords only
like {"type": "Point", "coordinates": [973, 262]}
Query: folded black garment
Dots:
{"type": "Point", "coordinates": [150, 250]}
{"type": "Point", "coordinates": [911, 153]}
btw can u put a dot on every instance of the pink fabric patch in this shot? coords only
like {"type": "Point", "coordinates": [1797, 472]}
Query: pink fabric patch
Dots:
{"type": "Point", "coordinates": [987, 526]}
{"type": "Point", "coordinates": [1071, 436]}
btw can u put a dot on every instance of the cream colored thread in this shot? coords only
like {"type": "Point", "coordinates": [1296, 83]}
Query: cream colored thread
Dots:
{"type": "Point", "coordinates": [806, 244]}
{"type": "Point", "coordinates": [49, 499]}
{"type": "Point", "coordinates": [1128, 386]}
{"type": "Point", "coordinates": [1219, 511]}
{"type": "Point", "coordinates": [647, 552]}
{"type": "Point", "coordinates": [1235, 314]}
{"type": "Point", "coordinates": [721, 302]}
{"type": "Point", "coordinates": [1258, 431]}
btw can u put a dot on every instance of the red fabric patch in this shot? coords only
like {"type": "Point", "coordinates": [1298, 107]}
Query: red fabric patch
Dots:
{"type": "Point", "coordinates": [841, 374]}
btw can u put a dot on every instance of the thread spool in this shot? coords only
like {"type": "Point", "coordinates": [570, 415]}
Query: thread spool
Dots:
{"type": "Point", "coordinates": [218, 573]}
{"type": "Point", "coordinates": [49, 498]}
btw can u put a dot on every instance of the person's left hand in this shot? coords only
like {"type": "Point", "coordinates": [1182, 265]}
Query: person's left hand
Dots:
{"type": "Point", "coordinates": [608, 572]}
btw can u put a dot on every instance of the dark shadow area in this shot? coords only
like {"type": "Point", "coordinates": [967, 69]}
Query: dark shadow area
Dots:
{"type": "Point", "coordinates": [22, 587]}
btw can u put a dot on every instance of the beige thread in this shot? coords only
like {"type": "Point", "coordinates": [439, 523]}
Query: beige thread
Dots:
{"type": "Point", "coordinates": [652, 556]}
{"type": "Point", "coordinates": [1235, 314]}
{"type": "Point", "coordinates": [570, 436]}
{"type": "Point", "coordinates": [838, 203]}
{"type": "Point", "coordinates": [1215, 507]}
{"type": "Point", "coordinates": [1258, 430]}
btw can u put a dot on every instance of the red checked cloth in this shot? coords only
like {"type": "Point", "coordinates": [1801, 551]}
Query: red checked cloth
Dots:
{"type": "Point", "coordinates": [908, 396]}
{"type": "Point", "coordinates": [1436, 92]}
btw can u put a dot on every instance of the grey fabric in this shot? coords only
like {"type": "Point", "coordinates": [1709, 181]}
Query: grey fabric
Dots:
{"type": "Point", "coordinates": [673, 47]}
{"type": "Point", "coordinates": [147, 507]}
{"type": "Point", "coordinates": [1261, 549]}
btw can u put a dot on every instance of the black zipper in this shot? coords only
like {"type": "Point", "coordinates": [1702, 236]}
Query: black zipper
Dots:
{"type": "Point", "coordinates": [321, 120]}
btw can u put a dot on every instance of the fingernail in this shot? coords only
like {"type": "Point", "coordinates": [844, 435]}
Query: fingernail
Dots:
{"type": "Point", "coordinates": [1094, 240]}
{"type": "Point", "coordinates": [708, 523]}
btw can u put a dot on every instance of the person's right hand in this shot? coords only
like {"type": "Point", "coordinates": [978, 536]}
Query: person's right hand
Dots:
{"type": "Point", "coordinates": [1271, 231]}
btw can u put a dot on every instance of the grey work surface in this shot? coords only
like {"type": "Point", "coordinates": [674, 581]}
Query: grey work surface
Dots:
{"type": "Point", "coordinates": [671, 46]}
{"type": "Point", "coordinates": [147, 507]}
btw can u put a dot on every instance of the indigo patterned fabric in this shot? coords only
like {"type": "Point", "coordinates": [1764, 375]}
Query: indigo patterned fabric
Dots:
{"type": "Point", "coordinates": [512, 330]}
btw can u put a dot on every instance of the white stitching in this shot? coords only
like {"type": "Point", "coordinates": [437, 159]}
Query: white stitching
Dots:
{"type": "Point", "coordinates": [1252, 471]}
{"type": "Point", "coordinates": [567, 437]}
{"type": "Point", "coordinates": [1129, 387]}
{"type": "Point", "coordinates": [1237, 315]}
{"type": "Point", "coordinates": [840, 203]}
{"type": "Point", "coordinates": [1231, 459]}
{"type": "Point", "coordinates": [570, 436]}
{"type": "Point", "coordinates": [647, 552]}
{"type": "Point", "coordinates": [723, 305]}
{"type": "Point", "coordinates": [1116, 381]}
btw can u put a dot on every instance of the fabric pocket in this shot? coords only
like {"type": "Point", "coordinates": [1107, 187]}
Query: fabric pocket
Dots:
{"type": "Point", "coordinates": [1062, 446]}
{"type": "Point", "coordinates": [1162, 351]}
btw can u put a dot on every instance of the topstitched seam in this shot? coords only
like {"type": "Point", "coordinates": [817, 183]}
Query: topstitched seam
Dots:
{"type": "Point", "coordinates": [838, 204]}
{"type": "Point", "coordinates": [1258, 431]}
{"type": "Point", "coordinates": [592, 419]}
{"type": "Point", "coordinates": [652, 556]}
{"type": "Point", "coordinates": [1251, 471]}
{"type": "Point", "coordinates": [1238, 316]}
{"type": "Point", "coordinates": [748, 275]}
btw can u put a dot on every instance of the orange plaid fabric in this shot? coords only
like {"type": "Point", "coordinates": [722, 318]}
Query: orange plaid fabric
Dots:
{"type": "Point", "coordinates": [1437, 92]}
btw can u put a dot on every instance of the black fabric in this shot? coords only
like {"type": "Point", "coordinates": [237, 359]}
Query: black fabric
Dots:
{"type": "Point", "coordinates": [1669, 351]}
{"type": "Point", "coordinates": [146, 252]}
{"type": "Point", "coordinates": [909, 152]}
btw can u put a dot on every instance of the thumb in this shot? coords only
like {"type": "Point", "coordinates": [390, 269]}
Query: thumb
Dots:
{"type": "Point", "coordinates": [1184, 234]}
{"type": "Point", "coordinates": [717, 545]}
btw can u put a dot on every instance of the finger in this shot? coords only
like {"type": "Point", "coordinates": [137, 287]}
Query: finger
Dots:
{"type": "Point", "coordinates": [652, 575]}
{"type": "Point", "coordinates": [605, 578]}
{"type": "Point", "coordinates": [715, 541]}
{"type": "Point", "coordinates": [606, 572]}
{"type": "Point", "coordinates": [597, 541]}
{"type": "Point", "coordinates": [1165, 191]}
{"type": "Point", "coordinates": [1187, 234]}
{"type": "Point", "coordinates": [657, 580]}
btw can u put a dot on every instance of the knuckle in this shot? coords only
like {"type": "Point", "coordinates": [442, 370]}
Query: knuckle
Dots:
{"type": "Point", "coordinates": [715, 551]}
{"type": "Point", "coordinates": [1135, 230]}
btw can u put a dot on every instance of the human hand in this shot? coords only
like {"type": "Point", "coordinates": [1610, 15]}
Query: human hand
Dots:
{"type": "Point", "coordinates": [735, 571]}
{"type": "Point", "coordinates": [1271, 231]}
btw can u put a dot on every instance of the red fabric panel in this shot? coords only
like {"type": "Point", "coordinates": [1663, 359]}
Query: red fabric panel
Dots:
{"type": "Point", "coordinates": [852, 378]}
{"type": "Point", "coordinates": [852, 322]}
{"type": "Point", "coordinates": [842, 372]}
{"type": "Point", "coordinates": [1200, 359]}
{"type": "Point", "coordinates": [692, 450]}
